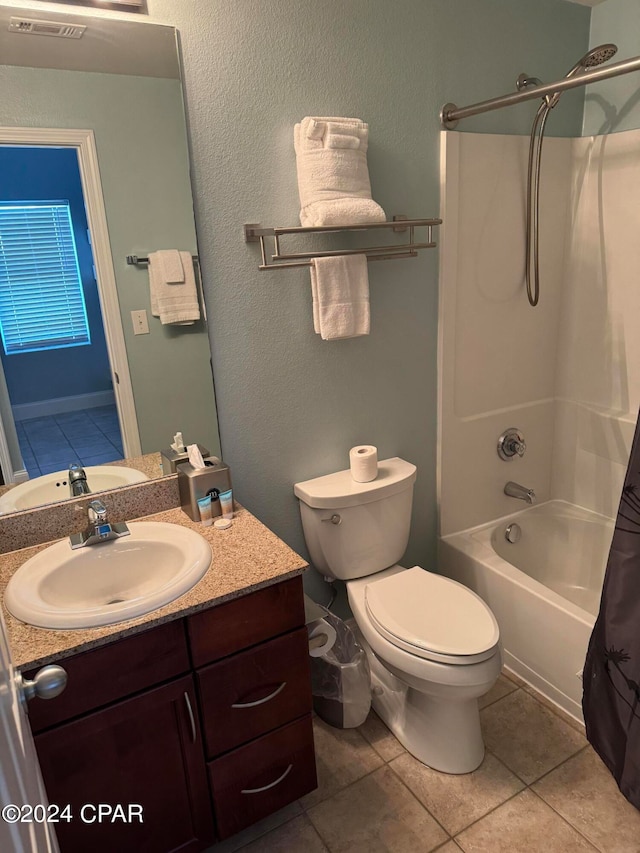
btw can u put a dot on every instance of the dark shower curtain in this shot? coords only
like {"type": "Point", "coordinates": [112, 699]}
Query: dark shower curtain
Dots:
{"type": "Point", "coordinates": [611, 679]}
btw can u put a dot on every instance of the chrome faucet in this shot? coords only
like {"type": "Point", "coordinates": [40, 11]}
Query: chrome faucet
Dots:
{"type": "Point", "coordinates": [78, 481]}
{"type": "Point", "coordinates": [515, 490]}
{"type": "Point", "coordinates": [99, 529]}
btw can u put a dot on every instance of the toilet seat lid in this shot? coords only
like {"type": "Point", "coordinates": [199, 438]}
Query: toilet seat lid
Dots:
{"type": "Point", "coordinates": [433, 616]}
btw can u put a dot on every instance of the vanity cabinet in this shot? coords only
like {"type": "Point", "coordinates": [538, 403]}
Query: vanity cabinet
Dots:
{"type": "Point", "coordinates": [205, 722]}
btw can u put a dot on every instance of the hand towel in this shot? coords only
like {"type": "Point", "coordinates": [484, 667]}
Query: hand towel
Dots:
{"type": "Point", "coordinates": [333, 177]}
{"type": "Point", "coordinates": [174, 303]}
{"type": "Point", "coordinates": [340, 294]}
{"type": "Point", "coordinates": [171, 265]}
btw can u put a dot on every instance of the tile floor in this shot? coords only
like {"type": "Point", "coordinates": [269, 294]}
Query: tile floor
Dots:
{"type": "Point", "coordinates": [540, 789]}
{"type": "Point", "coordinates": [51, 443]}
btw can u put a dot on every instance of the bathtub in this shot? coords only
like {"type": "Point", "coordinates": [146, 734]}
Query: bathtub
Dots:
{"type": "Point", "coordinates": [544, 589]}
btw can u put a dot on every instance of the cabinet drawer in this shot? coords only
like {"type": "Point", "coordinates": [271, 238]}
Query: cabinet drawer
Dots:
{"type": "Point", "coordinates": [253, 692]}
{"type": "Point", "coordinates": [245, 621]}
{"type": "Point", "coordinates": [263, 776]}
{"type": "Point", "coordinates": [100, 676]}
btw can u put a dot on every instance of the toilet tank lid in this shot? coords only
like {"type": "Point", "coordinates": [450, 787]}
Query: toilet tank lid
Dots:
{"type": "Point", "coordinates": [340, 489]}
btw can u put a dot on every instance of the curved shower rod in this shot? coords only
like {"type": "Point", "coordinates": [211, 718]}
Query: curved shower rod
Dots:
{"type": "Point", "coordinates": [450, 114]}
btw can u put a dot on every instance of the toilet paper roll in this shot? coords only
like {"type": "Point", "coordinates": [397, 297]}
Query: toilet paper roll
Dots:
{"type": "Point", "coordinates": [363, 461]}
{"type": "Point", "coordinates": [322, 637]}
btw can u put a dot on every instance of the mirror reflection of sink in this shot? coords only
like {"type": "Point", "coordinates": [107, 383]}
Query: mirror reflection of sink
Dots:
{"type": "Point", "coordinates": [110, 582]}
{"type": "Point", "coordinates": [55, 487]}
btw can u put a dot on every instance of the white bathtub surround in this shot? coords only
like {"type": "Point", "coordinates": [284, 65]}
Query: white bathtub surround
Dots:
{"type": "Point", "coordinates": [567, 374]}
{"type": "Point", "coordinates": [497, 354]}
{"type": "Point", "coordinates": [544, 590]}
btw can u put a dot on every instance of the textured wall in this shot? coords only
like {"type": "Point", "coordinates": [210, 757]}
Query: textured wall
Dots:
{"type": "Point", "coordinates": [614, 105]}
{"type": "Point", "coordinates": [290, 405]}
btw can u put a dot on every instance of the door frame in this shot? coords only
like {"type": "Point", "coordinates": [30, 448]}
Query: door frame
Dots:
{"type": "Point", "coordinates": [84, 143]}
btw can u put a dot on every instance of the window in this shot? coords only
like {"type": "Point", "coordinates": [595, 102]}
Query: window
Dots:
{"type": "Point", "coordinates": [41, 299]}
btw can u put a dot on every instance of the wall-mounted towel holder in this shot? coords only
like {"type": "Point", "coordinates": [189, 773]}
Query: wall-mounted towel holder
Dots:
{"type": "Point", "coordinates": [136, 260]}
{"type": "Point", "coordinates": [281, 260]}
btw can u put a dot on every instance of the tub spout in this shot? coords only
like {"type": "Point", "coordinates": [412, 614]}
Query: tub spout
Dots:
{"type": "Point", "coordinates": [515, 490]}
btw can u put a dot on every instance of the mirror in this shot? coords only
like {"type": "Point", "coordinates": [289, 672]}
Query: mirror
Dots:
{"type": "Point", "coordinates": [113, 98]}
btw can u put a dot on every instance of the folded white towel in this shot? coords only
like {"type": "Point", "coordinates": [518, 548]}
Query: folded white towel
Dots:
{"type": "Point", "coordinates": [333, 177]}
{"type": "Point", "coordinates": [171, 265]}
{"type": "Point", "coordinates": [340, 293]}
{"type": "Point", "coordinates": [174, 303]}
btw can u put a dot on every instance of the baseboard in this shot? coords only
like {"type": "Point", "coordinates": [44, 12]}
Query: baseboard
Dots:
{"type": "Point", "coordinates": [20, 476]}
{"type": "Point", "coordinates": [42, 408]}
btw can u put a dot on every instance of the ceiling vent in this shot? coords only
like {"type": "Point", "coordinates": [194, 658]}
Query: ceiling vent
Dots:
{"type": "Point", "coordinates": [46, 28]}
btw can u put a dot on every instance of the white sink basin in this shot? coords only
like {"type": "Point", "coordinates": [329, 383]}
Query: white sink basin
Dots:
{"type": "Point", "coordinates": [55, 487]}
{"type": "Point", "coordinates": [109, 582]}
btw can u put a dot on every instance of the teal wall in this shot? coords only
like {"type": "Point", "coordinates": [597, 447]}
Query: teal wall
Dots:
{"type": "Point", "coordinates": [291, 405]}
{"type": "Point", "coordinates": [614, 105]}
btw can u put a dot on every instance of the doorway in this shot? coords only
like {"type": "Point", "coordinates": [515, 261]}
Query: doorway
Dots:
{"type": "Point", "coordinates": [88, 425]}
{"type": "Point", "coordinates": [53, 352]}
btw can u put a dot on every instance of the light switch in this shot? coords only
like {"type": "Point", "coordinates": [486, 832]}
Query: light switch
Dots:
{"type": "Point", "coordinates": [140, 323]}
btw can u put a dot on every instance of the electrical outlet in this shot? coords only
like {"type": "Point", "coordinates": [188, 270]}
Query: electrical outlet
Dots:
{"type": "Point", "coordinates": [140, 323]}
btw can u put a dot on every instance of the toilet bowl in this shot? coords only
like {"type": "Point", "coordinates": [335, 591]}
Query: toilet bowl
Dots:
{"type": "Point", "coordinates": [428, 697]}
{"type": "Point", "coordinates": [432, 644]}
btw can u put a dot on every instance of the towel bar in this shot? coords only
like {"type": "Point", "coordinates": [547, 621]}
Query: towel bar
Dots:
{"type": "Point", "coordinates": [280, 260]}
{"type": "Point", "coordinates": [137, 261]}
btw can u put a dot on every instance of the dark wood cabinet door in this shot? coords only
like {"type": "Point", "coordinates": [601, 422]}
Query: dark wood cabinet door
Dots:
{"type": "Point", "coordinates": [145, 751]}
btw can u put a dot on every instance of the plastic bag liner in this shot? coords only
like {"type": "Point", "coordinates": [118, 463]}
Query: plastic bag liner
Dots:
{"type": "Point", "coordinates": [340, 679]}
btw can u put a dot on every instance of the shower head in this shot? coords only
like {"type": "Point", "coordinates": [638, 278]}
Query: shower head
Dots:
{"type": "Point", "coordinates": [596, 56]}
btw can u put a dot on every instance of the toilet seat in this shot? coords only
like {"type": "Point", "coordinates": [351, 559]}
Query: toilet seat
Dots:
{"type": "Point", "coordinates": [432, 617]}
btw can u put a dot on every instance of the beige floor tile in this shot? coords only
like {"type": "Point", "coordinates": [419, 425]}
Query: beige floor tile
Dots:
{"type": "Point", "coordinates": [342, 756]}
{"type": "Point", "coordinates": [575, 724]}
{"type": "Point", "coordinates": [585, 793]}
{"type": "Point", "coordinates": [380, 738]}
{"type": "Point", "coordinates": [297, 836]}
{"type": "Point", "coordinates": [376, 814]}
{"type": "Point", "coordinates": [449, 847]}
{"type": "Point", "coordinates": [457, 801]}
{"type": "Point", "coordinates": [502, 687]}
{"type": "Point", "coordinates": [522, 825]}
{"type": "Point", "coordinates": [256, 830]}
{"type": "Point", "coordinates": [529, 738]}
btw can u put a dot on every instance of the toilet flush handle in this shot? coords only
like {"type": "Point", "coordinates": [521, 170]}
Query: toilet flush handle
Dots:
{"type": "Point", "coordinates": [334, 519]}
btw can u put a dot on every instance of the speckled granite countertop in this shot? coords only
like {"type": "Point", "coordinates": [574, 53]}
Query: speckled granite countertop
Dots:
{"type": "Point", "coordinates": [245, 557]}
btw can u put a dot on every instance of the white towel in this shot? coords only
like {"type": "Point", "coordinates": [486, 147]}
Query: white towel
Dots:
{"type": "Point", "coordinates": [340, 293]}
{"type": "Point", "coordinates": [171, 265]}
{"type": "Point", "coordinates": [333, 177]}
{"type": "Point", "coordinates": [173, 302]}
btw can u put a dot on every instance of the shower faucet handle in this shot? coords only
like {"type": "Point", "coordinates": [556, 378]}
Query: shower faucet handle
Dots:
{"type": "Point", "coordinates": [510, 443]}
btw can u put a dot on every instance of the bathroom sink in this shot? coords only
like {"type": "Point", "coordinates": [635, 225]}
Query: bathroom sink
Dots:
{"type": "Point", "coordinates": [109, 582]}
{"type": "Point", "coordinates": [55, 487]}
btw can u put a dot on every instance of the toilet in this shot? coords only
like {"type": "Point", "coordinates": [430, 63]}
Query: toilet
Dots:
{"type": "Point", "coordinates": [432, 643]}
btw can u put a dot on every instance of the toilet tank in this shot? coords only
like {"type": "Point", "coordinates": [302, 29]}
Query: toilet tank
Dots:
{"type": "Point", "coordinates": [356, 529]}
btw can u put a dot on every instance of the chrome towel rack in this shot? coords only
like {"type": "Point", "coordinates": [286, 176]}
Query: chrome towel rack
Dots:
{"type": "Point", "coordinates": [136, 260]}
{"type": "Point", "coordinates": [282, 260]}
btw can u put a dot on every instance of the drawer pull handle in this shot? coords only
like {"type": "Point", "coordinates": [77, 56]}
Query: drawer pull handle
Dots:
{"type": "Point", "coordinates": [270, 785]}
{"type": "Point", "coordinates": [191, 717]}
{"type": "Point", "coordinates": [261, 701]}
